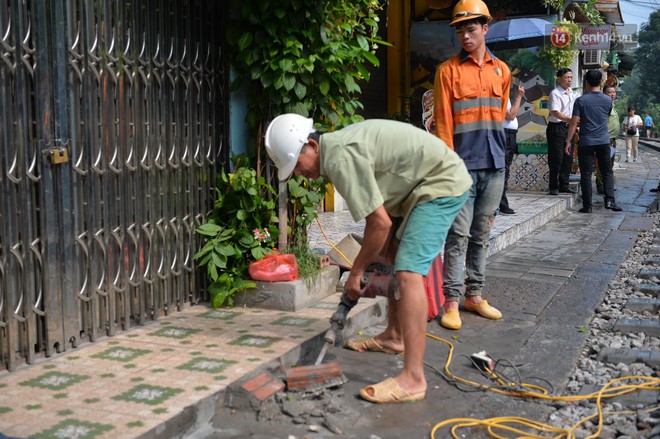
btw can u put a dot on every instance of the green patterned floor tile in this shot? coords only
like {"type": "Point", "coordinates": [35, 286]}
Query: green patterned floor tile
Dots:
{"type": "Point", "coordinates": [210, 365]}
{"type": "Point", "coordinates": [5, 410]}
{"type": "Point", "coordinates": [299, 322]}
{"type": "Point", "coordinates": [54, 380]}
{"type": "Point", "coordinates": [220, 314]}
{"type": "Point", "coordinates": [121, 354]}
{"type": "Point", "coordinates": [73, 428]}
{"type": "Point", "coordinates": [175, 332]}
{"type": "Point", "coordinates": [145, 394]}
{"type": "Point", "coordinates": [257, 341]}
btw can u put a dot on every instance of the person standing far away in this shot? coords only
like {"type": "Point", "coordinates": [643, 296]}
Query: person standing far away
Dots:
{"type": "Point", "coordinates": [560, 104]}
{"type": "Point", "coordinates": [510, 130]}
{"type": "Point", "coordinates": [408, 186]}
{"type": "Point", "coordinates": [592, 111]}
{"type": "Point", "coordinates": [648, 126]}
{"type": "Point", "coordinates": [471, 92]}
{"type": "Point", "coordinates": [632, 124]}
{"type": "Point", "coordinates": [613, 128]}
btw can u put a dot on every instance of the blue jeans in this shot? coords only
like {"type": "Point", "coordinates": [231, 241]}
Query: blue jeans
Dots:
{"type": "Point", "coordinates": [466, 247]}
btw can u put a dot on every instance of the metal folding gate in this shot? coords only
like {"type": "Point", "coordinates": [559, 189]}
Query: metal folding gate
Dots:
{"type": "Point", "coordinates": [113, 120]}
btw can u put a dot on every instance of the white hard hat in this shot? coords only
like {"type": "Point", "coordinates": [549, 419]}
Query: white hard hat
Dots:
{"type": "Point", "coordinates": [285, 137]}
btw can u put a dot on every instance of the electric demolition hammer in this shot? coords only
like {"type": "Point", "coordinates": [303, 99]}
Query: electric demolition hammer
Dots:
{"type": "Point", "coordinates": [378, 280]}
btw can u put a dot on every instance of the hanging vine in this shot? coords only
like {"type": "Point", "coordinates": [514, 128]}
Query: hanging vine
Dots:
{"type": "Point", "coordinates": [563, 55]}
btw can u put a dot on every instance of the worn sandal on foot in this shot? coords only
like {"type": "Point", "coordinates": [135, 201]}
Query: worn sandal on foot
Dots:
{"type": "Point", "coordinates": [369, 344]}
{"type": "Point", "coordinates": [388, 391]}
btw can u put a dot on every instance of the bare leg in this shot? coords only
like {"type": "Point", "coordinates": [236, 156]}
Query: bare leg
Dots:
{"type": "Point", "coordinates": [410, 314]}
{"type": "Point", "coordinates": [392, 338]}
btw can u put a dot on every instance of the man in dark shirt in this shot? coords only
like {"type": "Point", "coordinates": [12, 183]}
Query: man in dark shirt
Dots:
{"type": "Point", "coordinates": [591, 111]}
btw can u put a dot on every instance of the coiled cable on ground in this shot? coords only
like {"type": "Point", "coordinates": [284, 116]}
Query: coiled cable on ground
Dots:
{"type": "Point", "coordinates": [526, 428]}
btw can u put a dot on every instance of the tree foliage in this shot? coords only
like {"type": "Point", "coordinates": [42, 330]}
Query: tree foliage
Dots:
{"type": "Point", "coordinates": [647, 61]}
{"type": "Point", "coordinates": [304, 56]}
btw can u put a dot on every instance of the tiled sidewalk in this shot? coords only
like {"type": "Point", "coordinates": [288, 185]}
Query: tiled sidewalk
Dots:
{"type": "Point", "coordinates": [124, 386]}
{"type": "Point", "coordinates": [127, 385]}
{"type": "Point", "coordinates": [532, 209]}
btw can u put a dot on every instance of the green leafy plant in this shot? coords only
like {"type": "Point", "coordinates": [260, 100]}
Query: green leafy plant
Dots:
{"type": "Point", "coordinates": [304, 56]}
{"type": "Point", "coordinates": [305, 196]}
{"type": "Point", "coordinates": [240, 229]}
{"type": "Point", "coordinates": [563, 56]}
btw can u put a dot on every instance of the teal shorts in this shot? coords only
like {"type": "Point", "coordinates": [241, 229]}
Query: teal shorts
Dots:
{"type": "Point", "coordinates": [425, 233]}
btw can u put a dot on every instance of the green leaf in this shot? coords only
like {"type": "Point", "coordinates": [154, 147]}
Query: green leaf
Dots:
{"type": "Point", "coordinates": [362, 41]}
{"type": "Point", "coordinates": [289, 82]}
{"type": "Point", "coordinates": [241, 215]}
{"type": "Point", "coordinates": [245, 40]}
{"type": "Point", "coordinates": [362, 70]}
{"type": "Point", "coordinates": [279, 13]}
{"type": "Point", "coordinates": [285, 64]}
{"type": "Point", "coordinates": [212, 271]}
{"type": "Point", "coordinates": [350, 83]}
{"type": "Point", "coordinates": [226, 250]}
{"type": "Point", "coordinates": [219, 261]}
{"type": "Point", "coordinates": [208, 229]}
{"type": "Point", "coordinates": [372, 58]}
{"type": "Point", "coordinates": [298, 108]}
{"type": "Point", "coordinates": [246, 240]}
{"type": "Point", "coordinates": [279, 83]}
{"type": "Point", "coordinates": [258, 253]}
{"type": "Point", "coordinates": [324, 87]}
{"type": "Point", "coordinates": [300, 90]}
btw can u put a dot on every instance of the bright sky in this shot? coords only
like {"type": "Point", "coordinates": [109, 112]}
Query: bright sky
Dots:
{"type": "Point", "coordinates": [638, 11]}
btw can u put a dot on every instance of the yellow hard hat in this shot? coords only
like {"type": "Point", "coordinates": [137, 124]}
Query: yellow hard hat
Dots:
{"type": "Point", "coordinates": [469, 10]}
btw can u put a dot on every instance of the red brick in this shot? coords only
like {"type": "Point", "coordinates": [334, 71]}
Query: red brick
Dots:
{"type": "Point", "coordinates": [305, 376]}
{"type": "Point", "coordinates": [268, 389]}
{"type": "Point", "coordinates": [256, 382]}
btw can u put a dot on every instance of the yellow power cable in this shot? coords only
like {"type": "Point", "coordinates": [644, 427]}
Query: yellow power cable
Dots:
{"type": "Point", "coordinates": [512, 424]}
{"type": "Point", "coordinates": [350, 264]}
{"type": "Point", "coordinates": [501, 423]}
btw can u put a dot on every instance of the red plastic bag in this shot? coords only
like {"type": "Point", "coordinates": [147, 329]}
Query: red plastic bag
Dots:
{"type": "Point", "coordinates": [274, 268]}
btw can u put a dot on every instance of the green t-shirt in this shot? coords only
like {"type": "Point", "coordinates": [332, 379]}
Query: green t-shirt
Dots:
{"type": "Point", "coordinates": [613, 125]}
{"type": "Point", "coordinates": [390, 163]}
